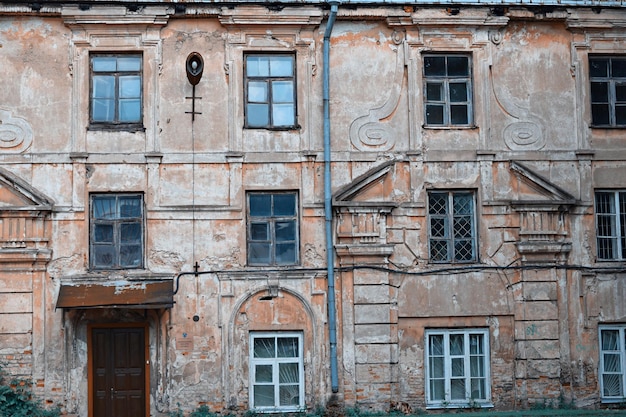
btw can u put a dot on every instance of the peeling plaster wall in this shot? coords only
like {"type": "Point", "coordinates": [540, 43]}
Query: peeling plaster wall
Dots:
{"type": "Point", "coordinates": [530, 156]}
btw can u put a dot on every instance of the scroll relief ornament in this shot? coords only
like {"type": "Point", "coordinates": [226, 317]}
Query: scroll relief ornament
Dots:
{"type": "Point", "coordinates": [369, 132]}
{"type": "Point", "coordinates": [16, 134]}
{"type": "Point", "coordinates": [526, 132]}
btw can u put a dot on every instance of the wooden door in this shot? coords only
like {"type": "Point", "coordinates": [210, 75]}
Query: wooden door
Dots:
{"type": "Point", "coordinates": [118, 356]}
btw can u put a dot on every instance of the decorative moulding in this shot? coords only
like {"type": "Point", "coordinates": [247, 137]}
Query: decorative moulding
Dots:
{"type": "Point", "coordinates": [16, 134]}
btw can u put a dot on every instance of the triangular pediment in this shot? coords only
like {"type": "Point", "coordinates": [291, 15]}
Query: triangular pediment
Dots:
{"type": "Point", "coordinates": [368, 189]}
{"type": "Point", "coordinates": [532, 188]}
{"type": "Point", "coordinates": [17, 194]}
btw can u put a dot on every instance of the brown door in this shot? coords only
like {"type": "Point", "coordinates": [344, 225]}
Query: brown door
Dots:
{"type": "Point", "coordinates": [119, 372]}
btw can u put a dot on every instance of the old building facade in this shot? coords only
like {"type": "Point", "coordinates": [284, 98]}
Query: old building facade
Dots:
{"type": "Point", "coordinates": [274, 206]}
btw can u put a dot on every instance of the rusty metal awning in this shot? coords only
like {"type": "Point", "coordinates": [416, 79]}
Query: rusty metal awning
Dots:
{"type": "Point", "coordinates": [117, 294]}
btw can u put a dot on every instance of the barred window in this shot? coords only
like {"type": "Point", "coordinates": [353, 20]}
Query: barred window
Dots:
{"type": "Point", "coordinates": [611, 225]}
{"type": "Point", "coordinates": [451, 226]}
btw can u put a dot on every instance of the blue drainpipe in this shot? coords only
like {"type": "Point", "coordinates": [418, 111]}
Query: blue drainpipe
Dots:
{"type": "Point", "coordinates": [328, 213]}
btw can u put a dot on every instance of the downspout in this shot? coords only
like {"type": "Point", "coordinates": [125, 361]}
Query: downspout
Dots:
{"type": "Point", "coordinates": [328, 210]}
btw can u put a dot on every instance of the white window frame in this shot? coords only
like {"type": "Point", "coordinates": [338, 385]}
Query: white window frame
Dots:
{"type": "Point", "coordinates": [450, 237]}
{"type": "Point", "coordinates": [447, 401]}
{"type": "Point", "coordinates": [620, 353]}
{"type": "Point", "coordinates": [275, 362]}
{"type": "Point", "coordinates": [616, 240]}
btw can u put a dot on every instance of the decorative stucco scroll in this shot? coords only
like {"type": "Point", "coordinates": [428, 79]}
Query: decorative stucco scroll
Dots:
{"type": "Point", "coordinates": [16, 134]}
{"type": "Point", "coordinates": [369, 132]}
{"type": "Point", "coordinates": [524, 134]}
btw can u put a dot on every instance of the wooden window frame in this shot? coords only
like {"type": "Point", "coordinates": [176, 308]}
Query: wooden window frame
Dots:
{"type": "Point", "coordinates": [116, 123]}
{"type": "Point", "coordinates": [271, 124]}
{"type": "Point", "coordinates": [445, 100]}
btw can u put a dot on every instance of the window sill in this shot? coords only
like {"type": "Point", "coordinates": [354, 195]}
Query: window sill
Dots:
{"type": "Point", "coordinates": [131, 128]}
{"type": "Point", "coordinates": [449, 127]}
{"type": "Point", "coordinates": [459, 406]}
{"type": "Point", "coordinates": [274, 129]}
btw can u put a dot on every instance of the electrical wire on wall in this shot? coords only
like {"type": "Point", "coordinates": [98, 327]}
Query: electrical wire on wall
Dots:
{"type": "Point", "coordinates": [194, 67]}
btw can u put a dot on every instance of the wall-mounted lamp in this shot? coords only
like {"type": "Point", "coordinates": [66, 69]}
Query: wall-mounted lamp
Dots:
{"type": "Point", "coordinates": [194, 67]}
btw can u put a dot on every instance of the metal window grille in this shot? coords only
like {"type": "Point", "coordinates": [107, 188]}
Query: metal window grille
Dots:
{"type": "Point", "coordinates": [610, 209]}
{"type": "Point", "coordinates": [452, 235]}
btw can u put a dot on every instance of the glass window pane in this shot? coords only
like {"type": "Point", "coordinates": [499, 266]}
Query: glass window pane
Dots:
{"type": "Point", "coordinates": [103, 233]}
{"type": "Point", "coordinates": [434, 91]}
{"type": "Point", "coordinates": [283, 115]}
{"type": "Point", "coordinates": [436, 367]}
{"type": "Point", "coordinates": [285, 253]}
{"type": "Point", "coordinates": [130, 255]}
{"type": "Point", "coordinates": [477, 366]}
{"type": "Point", "coordinates": [285, 231]}
{"type": "Point", "coordinates": [620, 115]}
{"type": "Point", "coordinates": [439, 251]}
{"type": "Point", "coordinates": [263, 373]}
{"type": "Point", "coordinates": [103, 86]}
{"type": "Point", "coordinates": [103, 255]}
{"type": "Point", "coordinates": [434, 65]}
{"type": "Point", "coordinates": [259, 231]}
{"type": "Point", "coordinates": [284, 205]}
{"type": "Point", "coordinates": [610, 339]}
{"type": "Point", "coordinates": [434, 114]}
{"type": "Point", "coordinates": [263, 395]}
{"type": "Point", "coordinates": [282, 92]}
{"type": "Point", "coordinates": [281, 66]}
{"type": "Point", "coordinates": [104, 208]}
{"type": "Point", "coordinates": [476, 344]}
{"type": "Point", "coordinates": [458, 92]}
{"type": "Point", "coordinates": [478, 389]}
{"type": "Point", "coordinates": [129, 63]}
{"type": "Point", "coordinates": [437, 390]}
{"type": "Point", "coordinates": [457, 388]}
{"type": "Point", "coordinates": [599, 92]}
{"type": "Point", "coordinates": [257, 92]}
{"type": "Point", "coordinates": [458, 66]}
{"type": "Point", "coordinates": [439, 227]}
{"type": "Point", "coordinates": [436, 344]}
{"type": "Point", "coordinates": [458, 115]}
{"type": "Point", "coordinates": [104, 63]}
{"type": "Point", "coordinates": [258, 115]}
{"type": "Point", "coordinates": [264, 347]}
{"type": "Point", "coordinates": [612, 362]}
{"type": "Point", "coordinates": [287, 347]}
{"type": "Point", "coordinates": [289, 395]}
{"type": "Point", "coordinates": [599, 67]}
{"type": "Point", "coordinates": [130, 207]}
{"type": "Point", "coordinates": [257, 66]}
{"type": "Point", "coordinates": [260, 205]}
{"type": "Point", "coordinates": [612, 385]}
{"type": "Point", "coordinates": [457, 346]}
{"type": "Point", "coordinates": [600, 114]}
{"type": "Point", "coordinates": [259, 253]}
{"type": "Point", "coordinates": [103, 110]}
{"type": "Point", "coordinates": [620, 92]}
{"type": "Point", "coordinates": [458, 367]}
{"type": "Point", "coordinates": [130, 110]}
{"type": "Point", "coordinates": [130, 233]}
{"type": "Point", "coordinates": [130, 87]}
{"type": "Point", "coordinates": [618, 67]}
{"type": "Point", "coordinates": [288, 373]}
